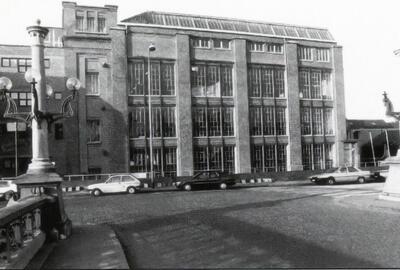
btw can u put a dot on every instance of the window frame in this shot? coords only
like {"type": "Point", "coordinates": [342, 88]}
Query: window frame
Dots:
{"type": "Point", "coordinates": [88, 138]}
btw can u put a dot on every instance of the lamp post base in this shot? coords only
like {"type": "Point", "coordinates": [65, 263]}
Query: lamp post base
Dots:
{"type": "Point", "coordinates": [40, 182]}
{"type": "Point", "coordinates": [391, 190]}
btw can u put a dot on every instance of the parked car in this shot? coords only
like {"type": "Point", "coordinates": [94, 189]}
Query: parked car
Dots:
{"type": "Point", "coordinates": [341, 174]}
{"type": "Point", "coordinates": [116, 184]}
{"type": "Point", "coordinates": [207, 179]}
{"type": "Point", "coordinates": [380, 176]}
{"type": "Point", "coordinates": [7, 189]}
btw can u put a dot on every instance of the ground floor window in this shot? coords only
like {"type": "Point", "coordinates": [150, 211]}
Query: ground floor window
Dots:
{"type": "Point", "coordinates": [214, 158]}
{"type": "Point", "coordinates": [268, 158]}
{"type": "Point", "coordinates": [164, 160]}
{"type": "Point", "coordinates": [317, 156]}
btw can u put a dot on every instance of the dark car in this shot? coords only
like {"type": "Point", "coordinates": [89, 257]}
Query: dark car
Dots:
{"type": "Point", "coordinates": [207, 179]}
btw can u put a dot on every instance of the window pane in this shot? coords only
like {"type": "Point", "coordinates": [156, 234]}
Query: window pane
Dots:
{"type": "Point", "coordinates": [199, 122]}
{"type": "Point", "coordinates": [316, 84]}
{"type": "Point", "coordinates": [227, 121]}
{"type": "Point", "coordinates": [92, 82]}
{"type": "Point", "coordinates": [269, 125]}
{"type": "Point", "coordinates": [79, 21]}
{"type": "Point", "coordinates": [168, 117]}
{"type": "Point", "coordinates": [215, 158]}
{"type": "Point", "coordinates": [136, 75]}
{"type": "Point", "coordinates": [229, 159]}
{"type": "Point", "coordinates": [255, 121]}
{"type": "Point", "coordinates": [156, 121]}
{"type": "Point", "coordinates": [200, 159]}
{"type": "Point", "coordinates": [155, 79]}
{"type": "Point", "coordinates": [255, 81]}
{"type": "Point", "coordinates": [268, 81]}
{"type": "Point", "coordinates": [101, 23]}
{"type": "Point", "coordinates": [269, 158]}
{"type": "Point", "coordinates": [199, 81]}
{"type": "Point", "coordinates": [227, 84]}
{"type": "Point", "coordinates": [304, 81]}
{"type": "Point", "coordinates": [137, 122]}
{"type": "Point", "coordinates": [213, 83]}
{"type": "Point", "coordinates": [90, 21]}
{"type": "Point", "coordinates": [138, 160]}
{"type": "Point", "coordinates": [317, 121]}
{"type": "Point", "coordinates": [280, 120]}
{"type": "Point", "coordinates": [214, 124]}
{"type": "Point", "coordinates": [279, 83]}
{"type": "Point", "coordinates": [168, 79]}
{"type": "Point", "coordinates": [305, 115]}
{"type": "Point", "coordinates": [93, 130]}
{"type": "Point", "coordinates": [307, 156]}
{"type": "Point", "coordinates": [257, 158]}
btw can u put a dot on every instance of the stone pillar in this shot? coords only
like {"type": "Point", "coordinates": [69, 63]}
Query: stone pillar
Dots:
{"type": "Point", "coordinates": [242, 131]}
{"type": "Point", "coordinates": [40, 148]}
{"type": "Point", "coordinates": [184, 107]}
{"type": "Point", "coordinates": [292, 75]}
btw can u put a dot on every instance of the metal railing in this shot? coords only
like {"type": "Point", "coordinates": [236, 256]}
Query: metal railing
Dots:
{"type": "Point", "coordinates": [22, 223]}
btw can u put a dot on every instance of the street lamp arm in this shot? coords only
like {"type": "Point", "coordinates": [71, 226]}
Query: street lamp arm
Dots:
{"type": "Point", "coordinates": [11, 111]}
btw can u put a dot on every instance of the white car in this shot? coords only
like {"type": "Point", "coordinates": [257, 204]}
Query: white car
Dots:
{"type": "Point", "coordinates": [7, 189]}
{"type": "Point", "coordinates": [116, 184]}
{"type": "Point", "coordinates": [341, 174]}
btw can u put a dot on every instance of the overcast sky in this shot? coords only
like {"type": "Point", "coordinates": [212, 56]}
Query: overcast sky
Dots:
{"type": "Point", "coordinates": [368, 31]}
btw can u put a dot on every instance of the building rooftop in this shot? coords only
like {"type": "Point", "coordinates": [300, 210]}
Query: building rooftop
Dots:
{"type": "Point", "coordinates": [175, 20]}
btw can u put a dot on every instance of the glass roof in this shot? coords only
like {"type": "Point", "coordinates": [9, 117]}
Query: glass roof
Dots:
{"type": "Point", "coordinates": [215, 24]}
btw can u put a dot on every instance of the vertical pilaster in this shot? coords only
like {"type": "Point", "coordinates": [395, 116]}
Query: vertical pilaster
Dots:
{"type": "Point", "coordinates": [339, 101]}
{"type": "Point", "coordinates": [241, 97]}
{"type": "Point", "coordinates": [292, 75]}
{"type": "Point", "coordinates": [120, 136]}
{"type": "Point", "coordinates": [184, 107]}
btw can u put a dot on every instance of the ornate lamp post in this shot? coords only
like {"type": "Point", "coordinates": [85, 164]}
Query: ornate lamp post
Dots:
{"type": "Point", "coordinates": [41, 171]}
{"type": "Point", "coordinates": [152, 48]}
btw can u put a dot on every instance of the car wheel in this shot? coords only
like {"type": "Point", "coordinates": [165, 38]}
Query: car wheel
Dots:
{"type": "Point", "coordinates": [187, 187]}
{"type": "Point", "coordinates": [131, 190]}
{"type": "Point", "coordinates": [222, 186]}
{"type": "Point", "coordinates": [8, 195]}
{"type": "Point", "coordinates": [331, 181]}
{"type": "Point", "coordinates": [96, 192]}
{"type": "Point", "coordinates": [361, 180]}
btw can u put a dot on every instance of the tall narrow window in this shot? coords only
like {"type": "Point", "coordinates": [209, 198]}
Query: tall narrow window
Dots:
{"type": "Point", "coordinates": [137, 122]}
{"type": "Point", "coordinates": [279, 83]}
{"type": "Point", "coordinates": [328, 156]}
{"type": "Point", "coordinates": [155, 78]}
{"type": "Point", "coordinates": [227, 125]}
{"type": "Point", "coordinates": [214, 124]}
{"type": "Point", "coordinates": [91, 21]}
{"type": "Point", "coordinates": [255, 121]}
{"type": "Point", "coordinates": [136, 71]}
{"type": "Point", "coordinates": [317, 121]}
{"type": "Point", "coordinates": [168, 118]}
{"type": "Point", "coordinates": [255, 81]}
{"type": "Point", "coordinates": [93, 131]}
{"type": "Point", "coordinates": [199, 81]}
{"type": "Point", "coordinates": [215, 158]}
{"type": "Point", "coordinates": [199, 122]}
{"type": "Point", "coordinates": [328, 121]}
{"type": "Point", "coordinates": [304, 81]}
{"type": "Point", "coordinates": [269, 121]}
{"type": "Point", "coordinates": [229, 159]}
{"type": "Point", "coordinates": [79, 16]}
{"type": "Point", "coordinates": [92, 83]}
{"type": "Point", "coordinates": [226, 81]}
{"type": "Point", "coordinates": [280, 120]}
{"type": "Point", "coordinates": [268, 82]}
{"type": "Point", "coordinates": [167, 79]}
{"type": "Point", "coordinates": [316, 84]}
{"type": "Point", "coordinates": [213, 82]}
{"type": "Point", "coordinates": [257, 158]}
{"type": "Point", "coordinates": [156, 123]}
{"type": "Point", "coordinates": [318, 156]}
{"type": "Point", "coordinates": [101, 23]}
{"type": "Point", "coordinates": [282, 157]}
{"type": "Point", "coordinates": [305, 116]}
{"type": "Point", "coordinates": [170, 161]}
{"type": "Point", "coordinates": [269, 157]}
{"type": "Point", "coordinates": [326, 85]}
{"type": "Point", "coordinates": [307, 156]}
{"type": "Point", "coordinates": [138, 160]}
{"type": "Point", "coordinates": [200, 159]}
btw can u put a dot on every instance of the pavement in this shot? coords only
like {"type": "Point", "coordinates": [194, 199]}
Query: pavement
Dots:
{"type": "Point", "coordinates": [89, 247]}
{"type": "Point", "coordinates": [98, 247]}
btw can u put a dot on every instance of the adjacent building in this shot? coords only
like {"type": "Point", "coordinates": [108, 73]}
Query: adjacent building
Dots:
{"type": "Point", "coordinates": [228, 94]}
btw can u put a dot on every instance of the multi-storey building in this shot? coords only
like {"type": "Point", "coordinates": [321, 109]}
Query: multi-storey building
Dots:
{"type": "Point", "coordinates": [229, 94]}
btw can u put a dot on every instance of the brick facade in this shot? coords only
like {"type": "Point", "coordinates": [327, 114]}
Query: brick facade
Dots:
{"type": "Point", "coordinates": [99, 51]}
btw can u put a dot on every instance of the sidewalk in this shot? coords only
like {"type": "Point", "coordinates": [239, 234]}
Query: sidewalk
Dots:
{"type": "Point", "coordinates": [373, 202]}
{"type": "Point", "coordinates": [89, 247]}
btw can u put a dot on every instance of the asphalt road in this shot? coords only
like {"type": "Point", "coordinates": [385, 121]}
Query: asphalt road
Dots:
{"type": "Point", "coordinates": [263, 227]}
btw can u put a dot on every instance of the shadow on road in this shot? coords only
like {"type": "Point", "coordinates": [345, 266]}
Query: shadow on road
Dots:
{"type": "Point", "coordinates": [210, 238]}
